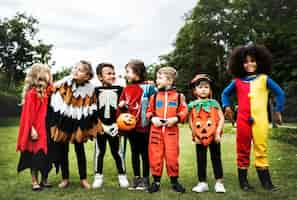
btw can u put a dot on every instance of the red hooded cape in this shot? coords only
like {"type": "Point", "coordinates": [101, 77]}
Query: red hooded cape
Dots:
{"type": "Point", "coordinates": [33, 115]}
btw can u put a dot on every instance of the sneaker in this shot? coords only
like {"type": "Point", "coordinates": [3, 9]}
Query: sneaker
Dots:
{"type": "Point", "coordinates": [145, 183]}
{"type": "Point", "coordinates": [123, 181]}
{"type": "Point", "coordinates": [98, 181]}
{"type": "Point", "coordinates": [141, 185]}
{"type": "Point", "coordinates": [155, 187]}
{"type": "Point", "coordinates": [219, 187]}
{"type": "Point", "coordinates": [135, 183]}
{"type": "Point", "coordinates": [201, 187]}
{"type": "Point", "coordinates": [177, 187]}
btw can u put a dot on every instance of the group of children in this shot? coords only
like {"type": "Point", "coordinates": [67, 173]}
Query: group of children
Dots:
{"type": "Point", "coordinates": [73, 111]}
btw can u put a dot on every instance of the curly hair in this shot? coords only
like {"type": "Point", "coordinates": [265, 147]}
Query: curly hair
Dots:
{"type": "Point", "coordinates": [36, 76]}
{"type": "Point", "coordinates": [260, 53]}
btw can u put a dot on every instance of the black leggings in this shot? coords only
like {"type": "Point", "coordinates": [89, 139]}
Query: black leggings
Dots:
{"type": "Point", "coordinates": [139, 147]}
{"type": "Point", "coordinates": [215, 155]}
{"type": "Point", "coordinates": [81, 160]}
{"type": "Point", "coordinates": [100, 148]}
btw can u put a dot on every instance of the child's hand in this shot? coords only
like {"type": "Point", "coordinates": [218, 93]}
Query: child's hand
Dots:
{"type": "Point", "coordinates": [229, 113]}
{"type": "Point", "coordinates": [171, 121]}
{"type": "Point", "coordinates": [217, 138]}
{"type": "Point", "coordinates": [157, 121]}
{"type": "Point", "coordinates": [34, 134]}
{"type": "Point", "coordinates": [122, 104]}
{"type": "Point", "coordinates": [277, 117]}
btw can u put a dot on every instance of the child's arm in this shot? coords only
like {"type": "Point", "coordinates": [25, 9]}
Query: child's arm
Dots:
{"type": "Point", "coordinates": [150, 112]}
{"type": "Point", "coordinates": [182, 113]}
{"type": "Point", "coordinates": [280, 99]}
{"type": "Point", "coordinates": [220, 125]}
{"type": "Point", "coordinates": [225, 97]}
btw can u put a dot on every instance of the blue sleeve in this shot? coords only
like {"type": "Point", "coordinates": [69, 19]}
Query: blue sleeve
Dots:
{"type": "Point", "coordinates": [225, 97]}
{"type": "Point", "coordinates": [279, 94]}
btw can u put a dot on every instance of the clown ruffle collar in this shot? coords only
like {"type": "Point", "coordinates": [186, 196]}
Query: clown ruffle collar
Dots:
{"type": "Point", "coordinates": [206, 104]}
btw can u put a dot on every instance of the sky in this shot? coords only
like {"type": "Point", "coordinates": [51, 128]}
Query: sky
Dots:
{"type": "Point", "coordinates": [104, 30]}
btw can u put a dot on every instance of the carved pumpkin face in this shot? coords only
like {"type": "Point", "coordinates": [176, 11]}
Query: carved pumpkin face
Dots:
{"type": "Point", "coordinates": [126, 122]}
{"type": "Point", "coordinates": [204, 125]}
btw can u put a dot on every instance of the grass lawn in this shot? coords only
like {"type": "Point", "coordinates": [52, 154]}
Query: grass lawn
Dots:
{"type": "Point", "coordinates": [282, 156]}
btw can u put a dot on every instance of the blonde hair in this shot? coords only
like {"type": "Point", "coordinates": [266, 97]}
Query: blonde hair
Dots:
{"type": "Point", "coordinates": [36, 74]}
{"type": "Point", "coordinates": [169, 72]}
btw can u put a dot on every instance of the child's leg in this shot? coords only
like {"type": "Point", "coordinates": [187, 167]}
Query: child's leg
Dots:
{"type": "Point", "coordinates": [114, 144]}
{"type": "Point", "coordinates": [35, 184]}
{"type": "Point", "coordinates": [135, 153]}
{"type": "Point", "coordinates": [215, 153]}
{"type": "Point", "coordinates": [100, 148]}
{"type": "Point", "coordinates": [144, 154]}
{"type": "Point", "coordinates": [171, 141]}
{"type": "Point", "coordinates": [260, 133]}
{"type": "Point", "coordinates": [34, 175]}
{"type": "Point", "coordinates": [243, 143]}
{"type": "Point", "coordinates": [201, 152]}
{"type": "Point", "coordinates": [82, 164]}
{"type": "Point", "coordinates": [65, 161]}
{"type": "Point", "coordinates": [81, 160]}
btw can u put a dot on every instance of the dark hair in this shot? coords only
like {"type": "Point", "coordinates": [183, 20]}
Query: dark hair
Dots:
{"type": "Point", "coordinates": [138, 68]}
{"type": "Point", "coordinates": [260, 53]}
{"type": "Point", "coordinates": [101, 66]}
{"type": "Point", "coordinates": [88, 66]}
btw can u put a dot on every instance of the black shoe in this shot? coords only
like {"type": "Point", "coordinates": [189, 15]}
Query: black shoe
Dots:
{"type": "Point", "coordinates": [146, 182]}
{"type": "Point", "coordinates": [155, 187]}
{"type": "Point", "coordinates": [243, 182]}
{"type": "Point", "coordinates": [45, 185]}
{"type": "Point", "coordinates": [177, 187]}
{"type": "Point", "coordinates": [265, 180]}
{"type": "Point", "coordinates": [136, 182]}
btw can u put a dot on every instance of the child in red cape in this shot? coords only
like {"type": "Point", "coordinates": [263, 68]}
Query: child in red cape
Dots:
{"type": "Point", "coordinates": [32, 137]}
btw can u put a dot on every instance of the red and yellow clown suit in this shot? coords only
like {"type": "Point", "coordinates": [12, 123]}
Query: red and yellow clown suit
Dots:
{"type": "Point", "coordinates": [252, 116]}
{"type": "Point", "coordinates": [164, 141]}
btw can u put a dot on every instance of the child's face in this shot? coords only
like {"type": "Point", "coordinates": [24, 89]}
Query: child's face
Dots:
{"type": "Point", "coordinates": [107, 76]}
{"type": "Point", "coordinates": [44, 80]}
{"type": "Point", "coordinates": [130, 75]}
{"type": "Point", "coordinates": [250, 65]}
{"type": "Point", "coordinates": [80, 72]}
{"type": "Point", "coordinates": [202, 90]}
{"type": "Point", "coordinates": [162, 81]}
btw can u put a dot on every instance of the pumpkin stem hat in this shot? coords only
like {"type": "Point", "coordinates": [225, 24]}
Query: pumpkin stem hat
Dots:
{"type": "Point", "coordinates": [199, 78]}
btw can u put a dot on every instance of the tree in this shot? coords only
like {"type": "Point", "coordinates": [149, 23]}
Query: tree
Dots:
{"type": "Point", "coordinates": [214, 27]}
{"type": "Point", "coordinates": [18, 48]}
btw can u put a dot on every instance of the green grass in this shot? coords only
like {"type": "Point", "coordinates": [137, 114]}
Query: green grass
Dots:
{"type": "Point", "coordinates": [283, 160]}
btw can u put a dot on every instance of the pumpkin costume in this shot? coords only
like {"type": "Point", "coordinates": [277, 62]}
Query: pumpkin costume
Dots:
{"type": "Point", "coordinates": [205, 119]}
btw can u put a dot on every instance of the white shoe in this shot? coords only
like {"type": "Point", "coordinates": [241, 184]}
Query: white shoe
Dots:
{"type": "Point", "coordinates": [219, 187]}
{"type": "Point", "coordinates": [123, 181]}
{"type": "Point", "coordinates": [98, 181]}
{"type": "Point", "coordinates": [201, 187]}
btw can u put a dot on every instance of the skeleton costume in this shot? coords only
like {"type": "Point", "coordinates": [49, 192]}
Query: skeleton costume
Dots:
{"type": "Point", "coordinates": [72, 117]}
{"type": "Point", "coordinates": [108, 98]}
